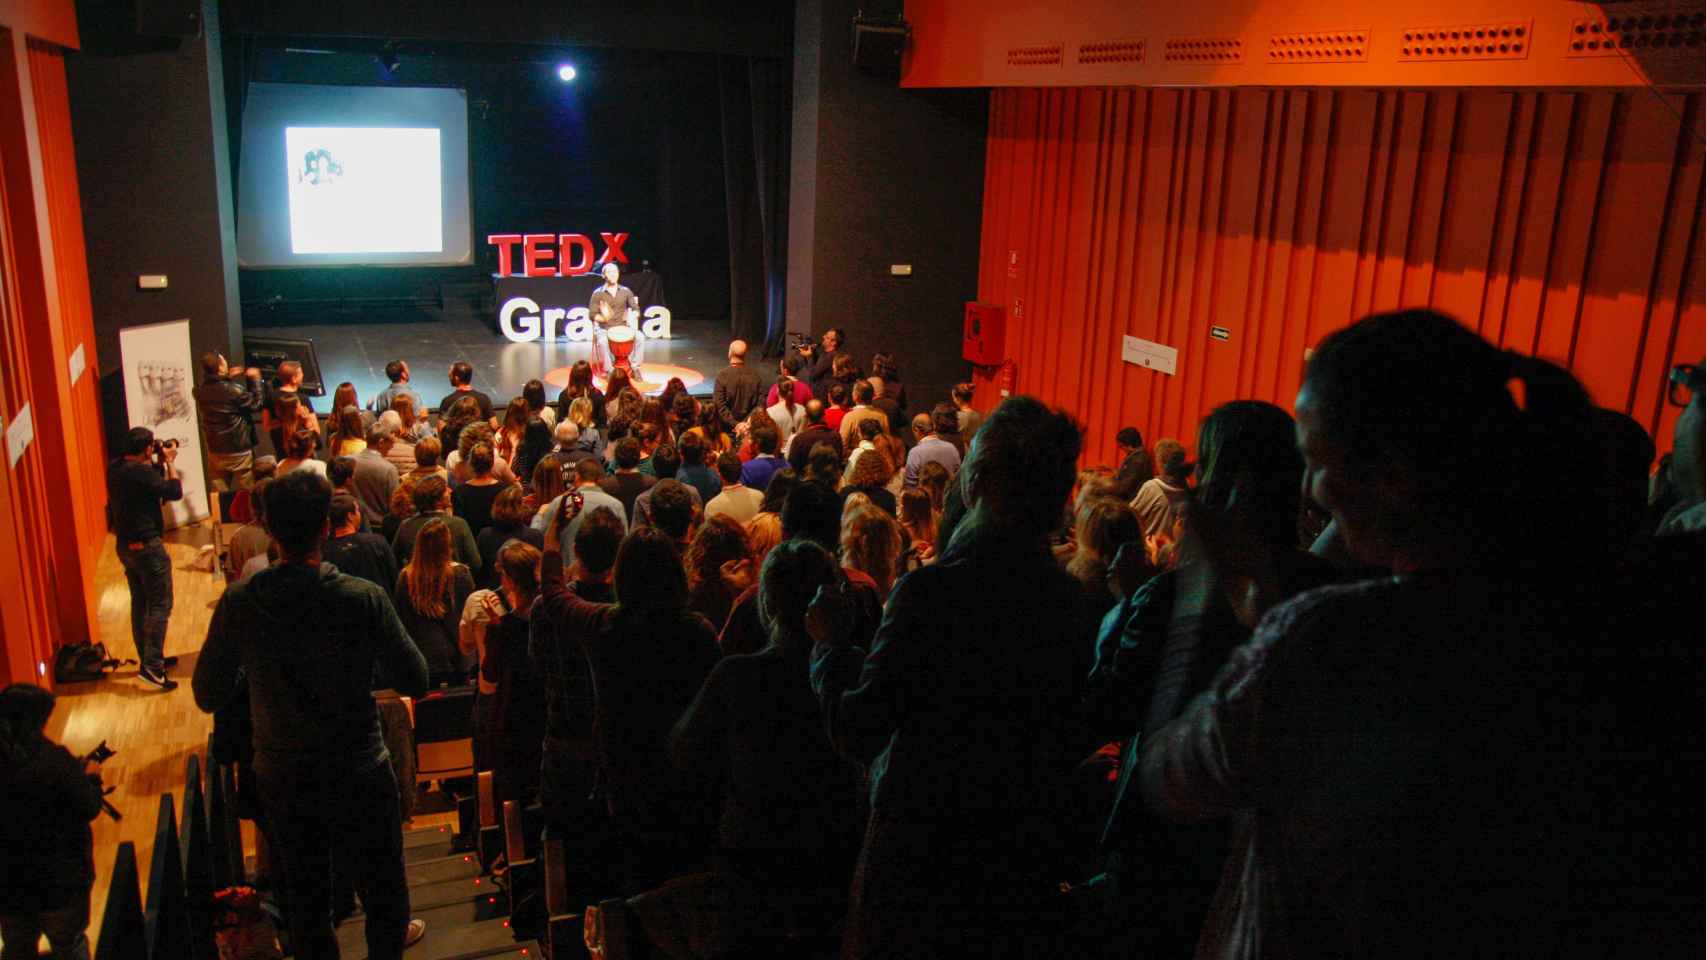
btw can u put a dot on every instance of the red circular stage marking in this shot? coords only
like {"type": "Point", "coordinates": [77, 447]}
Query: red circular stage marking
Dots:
{"type": "Point", "coordinates": [652, 379]}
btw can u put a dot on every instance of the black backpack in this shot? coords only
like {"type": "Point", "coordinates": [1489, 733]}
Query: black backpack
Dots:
{"type": "Point", "coordinates": [79, 662]}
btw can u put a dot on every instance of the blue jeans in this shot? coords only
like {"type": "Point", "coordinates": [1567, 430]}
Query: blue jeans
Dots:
{"type": "Point", "coordinates": [357, 813]}
{"type": "Point", "coordinates": [148, 570]}
{"type": "Point", "coordinates": [65, 928]}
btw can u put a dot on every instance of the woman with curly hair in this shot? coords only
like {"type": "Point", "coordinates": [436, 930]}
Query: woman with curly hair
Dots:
{"type": "Point", "coordinates": [452, 421]}
{"type": "Point", "coordinates": [720, 541]}
{"type": "Point", "coordinates": [870, 543]}
{"type": "Point", "coordinates": [870, 476]}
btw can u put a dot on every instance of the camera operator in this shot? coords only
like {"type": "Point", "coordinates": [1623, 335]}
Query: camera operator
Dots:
{"type": "Point", "coordinates": [226, 406]}
{"type": "Point", "coordinates": [138, 482]}
{"type": "Point", "coordinates": [46, 849]}
{"type": "Point", "coordinates": [820, 360]}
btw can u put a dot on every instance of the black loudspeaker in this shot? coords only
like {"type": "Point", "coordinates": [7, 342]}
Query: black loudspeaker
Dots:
{"type": "Point", "coordinates": [168, 18]}
{"type": "Point", "coordinates": [877, 46]}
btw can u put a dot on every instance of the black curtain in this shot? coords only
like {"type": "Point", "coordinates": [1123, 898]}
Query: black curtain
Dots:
{"type": "Point", "coordinates": [754, 94]}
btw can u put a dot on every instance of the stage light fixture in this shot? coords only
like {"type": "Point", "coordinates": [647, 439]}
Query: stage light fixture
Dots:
{"type": "Point", "coordinates": [565, 72]}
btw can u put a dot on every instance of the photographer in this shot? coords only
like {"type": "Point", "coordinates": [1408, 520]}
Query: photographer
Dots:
{"type": "Point", "coordinates": [138, 482]}
{"type": "Point", "coordinates": [46, 849]}
{"type": "Point", "coordinates": [226, 406]}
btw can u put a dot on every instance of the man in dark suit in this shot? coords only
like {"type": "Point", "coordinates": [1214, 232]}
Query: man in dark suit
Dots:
{"type": "Point", "coordinates": [738, 388]}
{"type": "Point", "coordinates": [816, 431]}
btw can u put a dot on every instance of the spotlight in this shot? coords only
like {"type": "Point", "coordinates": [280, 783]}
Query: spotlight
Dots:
{"type": "Point", "coordinates": [565, 72]}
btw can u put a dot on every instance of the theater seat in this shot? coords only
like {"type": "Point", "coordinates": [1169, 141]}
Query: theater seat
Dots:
{"type": "Point", "coordinates": [444, 734]}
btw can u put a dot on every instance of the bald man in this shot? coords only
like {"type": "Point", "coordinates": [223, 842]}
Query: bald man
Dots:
{"type": "Point", "coordinates": [738, 388]}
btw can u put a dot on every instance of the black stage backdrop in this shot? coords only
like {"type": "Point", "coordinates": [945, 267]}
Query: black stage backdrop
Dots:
{"type": "Point", "coordinates": [685, 151]}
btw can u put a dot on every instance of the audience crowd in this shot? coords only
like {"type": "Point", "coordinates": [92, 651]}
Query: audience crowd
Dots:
{"type": "Point", "coordinates": [798, 668]}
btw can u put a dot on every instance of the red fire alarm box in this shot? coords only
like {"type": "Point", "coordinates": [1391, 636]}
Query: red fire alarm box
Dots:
{"type": "Point", "coordinates": [985, 342]}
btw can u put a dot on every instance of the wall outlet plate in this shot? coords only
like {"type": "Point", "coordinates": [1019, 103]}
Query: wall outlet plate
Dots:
{"type": "Point", "coordinates": [151, 281]}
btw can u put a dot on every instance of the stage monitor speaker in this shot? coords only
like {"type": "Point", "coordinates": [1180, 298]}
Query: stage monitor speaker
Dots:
{"type": "Point", "coordinates": [877, 46]}
{"type": "Point", "coordinates": [168, 18]}
{"type": "Point", "coordinates": [267, 353]}
{"type": "Point", "coordinates": [985, 341]}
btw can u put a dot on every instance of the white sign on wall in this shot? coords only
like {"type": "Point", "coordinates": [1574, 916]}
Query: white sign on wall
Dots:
{"type": "Point", "coordinates": [157, 383]}
{"type": "Point", "coordinates": [1147, 353]}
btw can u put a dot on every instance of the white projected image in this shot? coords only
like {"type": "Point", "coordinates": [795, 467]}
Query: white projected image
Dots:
{"type": "Point", "coordinates": [364, 190]}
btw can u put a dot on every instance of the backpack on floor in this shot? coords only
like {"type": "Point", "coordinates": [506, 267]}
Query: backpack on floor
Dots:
{"type": "Point", "coordinates": [79, 662]}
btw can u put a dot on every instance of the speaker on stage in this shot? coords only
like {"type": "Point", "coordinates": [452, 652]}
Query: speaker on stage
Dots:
{"type": "Point", "coordinates": [985, 339]}
{"type": "Point", "coordinates": [878, 45]}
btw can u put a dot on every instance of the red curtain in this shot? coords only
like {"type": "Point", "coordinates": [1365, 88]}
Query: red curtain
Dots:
{"type": "Point", "coordinates": [1564, 224]}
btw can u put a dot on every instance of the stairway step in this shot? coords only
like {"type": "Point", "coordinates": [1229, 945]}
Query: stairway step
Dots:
{"type": "Point", "coordinates": [460, 890]}
{"type": "Point", "coordinates": [455, 931]}
{"type": "Point", "coordinates": [460, 866]}
{"type": "Point", "coordinates": [427, 836]}
{"type": "Point", "coordinates": [443, 847]}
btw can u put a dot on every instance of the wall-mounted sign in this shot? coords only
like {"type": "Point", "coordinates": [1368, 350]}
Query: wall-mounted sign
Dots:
{"type": "Point", "coordinates": [1220, 333]}
{"type": "Point", "coordinates": [1146, 353]}
{"type": "Point", "coordinates": [572, 253]}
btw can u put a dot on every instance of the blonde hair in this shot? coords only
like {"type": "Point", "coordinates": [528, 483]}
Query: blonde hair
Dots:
{"type": "Point", "coordinates": [580, 412]}
{"type": "Point", "coordinates": [428, 576]}
{"type": "Point", "coordinates": [763, 532]}
{"type": "Point", "coordinates": [870, 542]}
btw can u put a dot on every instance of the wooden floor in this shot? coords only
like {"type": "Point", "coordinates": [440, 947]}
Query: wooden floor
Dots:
{"type": "Point", "coordinates": [153, 731]}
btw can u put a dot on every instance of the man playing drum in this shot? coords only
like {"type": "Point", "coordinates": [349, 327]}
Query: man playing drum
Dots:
{"type": "Point", "coordinates": [613, 305]}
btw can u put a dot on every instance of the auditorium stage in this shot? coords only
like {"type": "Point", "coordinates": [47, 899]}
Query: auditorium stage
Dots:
{"type": "Point", "coordinates": [358, 352]}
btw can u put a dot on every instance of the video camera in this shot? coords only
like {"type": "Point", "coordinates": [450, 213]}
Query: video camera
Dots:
{"type": "Point", "coordinates": [801, 341]}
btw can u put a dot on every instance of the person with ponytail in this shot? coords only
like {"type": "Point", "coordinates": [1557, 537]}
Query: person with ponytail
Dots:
{"type": "Point", "coordinates": [46, 848]}
{"type": "Point", "coordinates": [1428, 763]}
{"type": "Point", "coordinates": [509, 714]}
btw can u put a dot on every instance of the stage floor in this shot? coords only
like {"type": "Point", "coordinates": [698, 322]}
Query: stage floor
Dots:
{"type": "Point", "coordinates": [358, 352]}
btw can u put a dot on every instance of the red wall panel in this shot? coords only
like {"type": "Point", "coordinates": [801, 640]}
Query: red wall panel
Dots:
{"type": "Point", "coordinates": [1564, 224]}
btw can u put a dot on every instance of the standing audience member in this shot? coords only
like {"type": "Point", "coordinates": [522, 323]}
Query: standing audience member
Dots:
{"type": "Point", "coordinates": [736, 501]}
{"type": "Point", "coordinates": [549, 482]}
{"type": "Point", "coordinates": [536, 445]}
{"type": "Point", "coordinates": [357, 552]}
{"type": "Point", "coordinates": [1104, 525]}
{"type": "Point", "coordinates": [863, 395]}
{"type": "Point", "coordinates": [401, 452]}
{"type": "Point", "coordinates": [1358, 736]}
{"type": "Point", "coordinates": [870, 544]}
{"type": "Point", "coordinates": [813, 431]}
{"type": "Point", "coordinates": [1160, 502]}
{"type": "Point", "coordinates": [474, 497]}
{"type": "Point", "coordinates": [299, 454]}
{"type": "Point", "coordinates": [591, 437]}
{"type": "Point", "coordinates": [648, 656]}
{"type": "Point", "coordinates": [931, 448]}
{"type": "Point", "coordinates": [432, 501]}
{"type": "Point", "coordinates": [287, 410]}
{"type": "Point", "coordinates": [251, 539]}
{"type": "Point", "coordinates": [586, 497]}
{"type": "Point", "coordinates": [397, 371]}
{"type": "Point", "coordinates": [580, 387]}
{"type": "Point", "coordinates": [822, 360]}
{"type": "Point", "coordinates": [462, 385]}
{"type": "Point", "coordinates": [47, 865]}
{"type": "Point", "coordinates": [969, 416]}
{"type": "Point", "coordinates": [322, 772]}
{"type": "Point", "coordinates": [139, 482]}
{"type": "Point", "coordinates": [1688, 453]}
{"type": "Point", "coordinates": [1136, 469]}
{"type": "Point", "coordinates": [787, 411]}
{"type": "Point", "coordinates": [346, 430]}
{"type": "Point", "coordinates": [757, 472]}
{"type": "Point", "coordinates": [510, 521]}
{"type": "Point", "coordinates": [429, 594]}
{"type": "Point", "coordinates": [226, 406]}
{"type": "Point", "coordinates": [627, 483]}
{"type": "Point", "coordinates": [737, 389]}
{"type": "Point", "coordinates": [720, 541]}
{"type": "Point", "coordinates": [534, 393]}
{"type": "Point", "coordinates": [507, 439]}
{"type": "Point", "coordinates": [376, 476]}
{"type": "Point", "coordinates": [667, 464]}
{"type": "Point", "coordinates": [509, 713]}
{"type": "Point", "coordinates": [885, 376]}
{"type": "Point", "coordinates": [776, 881]}
{"type": "Point", "coordinates": [840, 401]}
{"type": "Point", "coordinates": [695, 470]}
{"type": "Point", "coordinates": [973, 707]}
{"type": "Point", "coordinates": [427, 454]}
{"type": "Point", "coordinates": [869, 477]}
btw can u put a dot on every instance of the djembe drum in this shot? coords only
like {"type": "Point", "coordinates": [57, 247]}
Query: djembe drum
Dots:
{"type": "Point", "coordinates": [621, 339]}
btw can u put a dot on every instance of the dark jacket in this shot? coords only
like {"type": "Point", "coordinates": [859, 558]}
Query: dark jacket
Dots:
{"type": "Point", "coordinates": [227, 408]}
{"type": "Point", "coordinates": [137, 490]}
{"type": "Point", "coordinates": [310, 642]}
{"type": "Point", "coordinates": [46, 857]}
{"type": "Point", "coordinates": [806, 439]}
{"type": "Point", "coordinates": [1137, 469]}
{"type": "Point", "coordinates": [973, 709]}
{"type": "Point", "coordinates": [738, 389]}
{"type": "Point", "coordinates": [1476, 764]}
{"type": "Point", "coordinates": [365, 555]}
